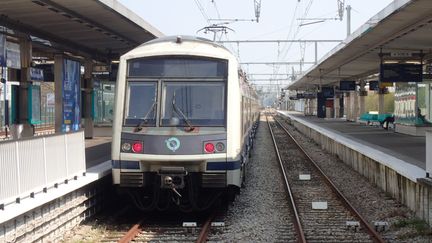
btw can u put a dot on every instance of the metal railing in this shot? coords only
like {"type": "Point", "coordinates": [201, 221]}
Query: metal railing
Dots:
{"type": "Point", "coordinates": [37, 164]}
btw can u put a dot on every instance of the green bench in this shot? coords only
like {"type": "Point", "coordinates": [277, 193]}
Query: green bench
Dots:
{"type": "Point", "coordinates": [369, 118]}
{"type": "Point", "coordinates": [377, 118]}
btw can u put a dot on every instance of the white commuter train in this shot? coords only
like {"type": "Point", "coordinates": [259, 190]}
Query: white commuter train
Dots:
{"type": "Point", "coordinates": [185, 119]}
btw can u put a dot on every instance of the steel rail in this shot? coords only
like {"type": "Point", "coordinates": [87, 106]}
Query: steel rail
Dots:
{"type": "Point", "coordinates": [344, 200]}
{"type": "Point", "coordinates": [297, 223]}
{"type": "Point", "coordinates": [202, 237]}
{"type": "Point", "coordinates": [131, 234]}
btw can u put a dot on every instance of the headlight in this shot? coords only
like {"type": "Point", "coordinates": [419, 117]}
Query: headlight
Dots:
{"type": "Point", "coordinates": [220, 147]}
{"type": "Point", "coordinates": [126, 147]}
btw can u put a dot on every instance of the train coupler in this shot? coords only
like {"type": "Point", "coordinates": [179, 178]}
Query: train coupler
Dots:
{"type": "Point", "coordinates": [172, 177]}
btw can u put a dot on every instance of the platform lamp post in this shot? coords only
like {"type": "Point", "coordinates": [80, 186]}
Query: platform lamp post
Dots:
{"type": "Point", "coordinates": [88, 100]}
{"type": "Point", "coordinates": [25, 52]}
{"type": "Point", "coordinates": [3, 81]}
{"type": "Point", "coordinates": [6, 103]}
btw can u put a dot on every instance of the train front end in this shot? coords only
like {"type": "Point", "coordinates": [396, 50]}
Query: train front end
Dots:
{"type": "Point", "coordinates": [170, 140]}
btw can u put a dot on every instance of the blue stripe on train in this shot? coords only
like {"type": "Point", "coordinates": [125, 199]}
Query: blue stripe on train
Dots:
{"type": "Point", "coordinates": [229, 165]}
{"type": "Point", "coordinates": [125, 164]}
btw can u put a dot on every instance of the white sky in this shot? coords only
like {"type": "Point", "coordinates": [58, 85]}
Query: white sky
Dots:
{"type": "Point", "coordinates": [278, 20]}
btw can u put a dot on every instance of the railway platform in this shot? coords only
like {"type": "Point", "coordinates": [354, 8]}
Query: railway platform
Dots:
{"type": "Point", "coordinates": [394, 162]}
{"type": "Point", "coordinates": [58, 88]}
{"type": "Point", "coordinates": [410, 149]}
{"type": "Point", "coordinates": [68, 196]}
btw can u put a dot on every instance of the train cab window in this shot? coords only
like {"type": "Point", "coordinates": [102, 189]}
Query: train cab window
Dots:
{"type": "Point", "coordinates": [193, 104]}
{"type": "Point", "coordinates": [141, 104]}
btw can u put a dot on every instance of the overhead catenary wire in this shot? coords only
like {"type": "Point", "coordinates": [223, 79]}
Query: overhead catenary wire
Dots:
{"type": "Point", "coordinates": [287, 47]}
{"type": "Point", "coordinates": [201, 9]}
{"type": "Point", "coordinates": [217, 10]}
{"type": "Point", "coordinates": [284, 49]}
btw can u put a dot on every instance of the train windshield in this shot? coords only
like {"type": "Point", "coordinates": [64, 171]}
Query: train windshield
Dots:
{"type": "Point", "coordinates": [193, 104]}
{"type": "Point", "coordinates": [193, 91]}
{"type": "Point", "coordinates": [142, 104]}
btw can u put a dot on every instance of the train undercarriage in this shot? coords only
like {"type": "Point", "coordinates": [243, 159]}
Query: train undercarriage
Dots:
{"type": "Point", "coordinates": [187, 192]}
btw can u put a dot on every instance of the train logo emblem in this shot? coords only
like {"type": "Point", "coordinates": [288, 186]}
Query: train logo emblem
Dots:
{"type": "Point", "coordinates": [172, 143]}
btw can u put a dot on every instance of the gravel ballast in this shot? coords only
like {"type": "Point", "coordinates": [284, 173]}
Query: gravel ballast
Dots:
{"type": "Point", "coordinates": [373, 203]}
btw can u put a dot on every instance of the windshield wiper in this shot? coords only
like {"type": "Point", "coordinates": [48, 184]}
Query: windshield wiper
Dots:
{"type": "Point", "coordinates": [179, 112]}
{"type": "Point", "coordinates": [145, 119]}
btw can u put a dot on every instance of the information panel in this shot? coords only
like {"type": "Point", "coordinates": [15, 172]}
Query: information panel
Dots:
{"type": "Point", "coordinates": [2, 50]}
{"type": "Point", "coordinates": [71, 96]}
{"type": "Point", "coordinates": [345, 85]}
{"type": "Point", "coordinates": [36, 74]}
{"type": "Point", "coordinates": [327, 92]}
{"type": "Point", "coordinates": [34, 105]}
{"type": "Point", "coordinates": [13, 55]}
{"type": "Point", "coordinates": [373, 85]}
{"type": "Point", "coordinates": [401, 73]}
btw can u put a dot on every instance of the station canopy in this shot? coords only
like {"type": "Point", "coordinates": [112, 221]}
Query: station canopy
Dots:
{"type": "Point", "coordinates": [402, 29]}
{"type": "Point", "coordinates": [99, 29]}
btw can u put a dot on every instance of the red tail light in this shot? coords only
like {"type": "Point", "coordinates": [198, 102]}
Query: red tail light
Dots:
{"type": "Point", "coordinates": [137, 147]}
{"type": "Point", "coordinates": [209, 148]}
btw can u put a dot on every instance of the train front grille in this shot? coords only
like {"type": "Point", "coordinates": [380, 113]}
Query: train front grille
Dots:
{"type": "Point", "coordinates": [213, 180]}
{"type": "Point", "coordinates": [128, 179]}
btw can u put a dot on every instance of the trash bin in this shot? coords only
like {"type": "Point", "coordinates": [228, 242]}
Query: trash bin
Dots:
{"type": "Point", "coordinates": [16, 130]}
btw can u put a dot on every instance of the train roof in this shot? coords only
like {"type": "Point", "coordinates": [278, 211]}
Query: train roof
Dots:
{"type": "Point", "coordinates": [183, 38]}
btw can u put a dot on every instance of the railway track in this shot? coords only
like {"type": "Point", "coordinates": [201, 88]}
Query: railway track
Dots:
{"type": "Point", "coordinates": [157, 227]}
{"type": "Point", "coordinates": [320, 212]}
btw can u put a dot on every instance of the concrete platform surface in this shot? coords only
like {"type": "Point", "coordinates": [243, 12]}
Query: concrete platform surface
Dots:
{"type": "Point", "coordinates": [98, 149]}
{"type": "Point", "coordinates": [411, 149]}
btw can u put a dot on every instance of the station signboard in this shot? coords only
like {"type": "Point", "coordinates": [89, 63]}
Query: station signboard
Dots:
{"type": "Point", "coordinates": [401, 72]}
{"type": "Point", "coordinates": [306, 95]}
{"type": "Point", "coordinates": [347, 85]}
{"type": "Point", "coordinates": [373, 85]}
{"type": "Point", "coordinates": [310, 95]}
{"type": "Point", "coordinates": [327, 92]}
{"type": "Point", "coordinates": [376, 85]}
{"type": "Point", "coordinates": [401, 54]}
{"type": "Point", "coordinates": [36, 74]}
{"type": "Point", "coordinates": [300, 96]}
{"type": "Point", "coordinates": [48, 71]}
{"type": "Point", "coordinates": [101, 68]}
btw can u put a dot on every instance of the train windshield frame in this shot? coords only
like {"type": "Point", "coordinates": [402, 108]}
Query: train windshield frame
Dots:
{"type": "Point", "coordinates": [188, 91]}
{"type": "Point", "coordinates": [141, 105]}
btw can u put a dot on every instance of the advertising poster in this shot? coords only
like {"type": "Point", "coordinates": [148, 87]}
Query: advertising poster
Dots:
{"type": "Point", "coordinates": [405, 103]}
{"type": "Point", "coordinates": [2, 50]}
{"type": "Point", "coordinates": [71, 96]}
{"type": "Point", "coordinates": [13, 56]}
{"type": "Point", "coordinates": [34, 106]}
{"type": "Point", "coordinates": [50, 100]}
